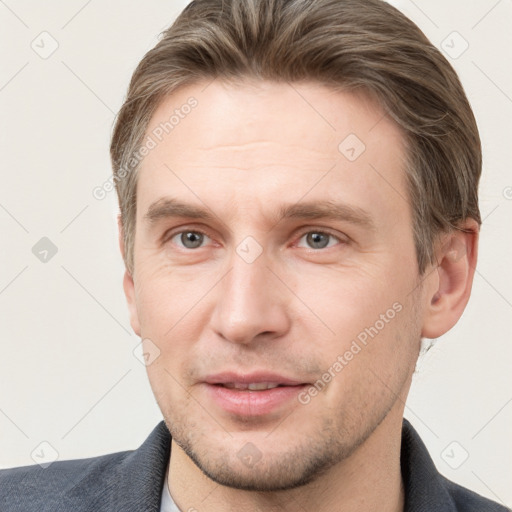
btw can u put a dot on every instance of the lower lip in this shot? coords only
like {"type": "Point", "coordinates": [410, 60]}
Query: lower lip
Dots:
{"type": "Point", "coordinates": [252, 403]}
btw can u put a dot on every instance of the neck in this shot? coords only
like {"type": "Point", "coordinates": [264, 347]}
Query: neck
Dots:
{"type": "Point", "coordinates": [368, 480]}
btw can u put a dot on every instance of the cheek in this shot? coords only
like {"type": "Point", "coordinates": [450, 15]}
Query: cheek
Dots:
{"type": "Point", "coordinates": [375, 326]}
{"type": "Point", "coordinates": [164, 296]}
{"type": "Point", "coordinates": [173, 312]}
{"type": "Point", "coordinates": [350, 299]}
{"type": "Point", "coordinates": [369, 367]}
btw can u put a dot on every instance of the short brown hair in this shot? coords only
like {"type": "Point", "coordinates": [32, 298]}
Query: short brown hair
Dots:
{"type": "Point", "coordinates": [366, 45]}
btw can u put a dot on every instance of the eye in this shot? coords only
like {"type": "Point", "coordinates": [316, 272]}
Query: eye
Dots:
{"type": "Point", "coordinates": [319, 239]}
{"type": "Point", "coordinates": [189, 239]}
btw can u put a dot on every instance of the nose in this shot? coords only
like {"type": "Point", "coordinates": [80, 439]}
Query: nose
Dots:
{"type": "Point", "coordinates": [252, 304]}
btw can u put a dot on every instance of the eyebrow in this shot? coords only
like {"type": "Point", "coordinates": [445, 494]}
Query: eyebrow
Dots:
{"type": "Point", "coordinates": [327, 210]}
{"type": "Point", "coordinates": [168, 207]}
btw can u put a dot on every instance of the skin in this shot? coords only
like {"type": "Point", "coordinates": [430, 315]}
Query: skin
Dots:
{"type": "Point", "coordinates": [245, 151]}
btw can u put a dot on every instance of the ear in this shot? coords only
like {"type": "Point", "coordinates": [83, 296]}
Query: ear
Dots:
{"type": "Point", "coordinates": [451, 279]}
{"type": "Point", "coordinates": [128, 284]}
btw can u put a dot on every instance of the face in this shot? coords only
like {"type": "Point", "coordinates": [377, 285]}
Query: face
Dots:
{"type": "Point", "coordinates": [274, 247]}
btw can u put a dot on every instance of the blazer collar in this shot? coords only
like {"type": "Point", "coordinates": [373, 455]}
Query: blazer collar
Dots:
{"type": "Point", "coordinates": [424, 487]}
{"type": "Point", "coordinates": [137, 481]}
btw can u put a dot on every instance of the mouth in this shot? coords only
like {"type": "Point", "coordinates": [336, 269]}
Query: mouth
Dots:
{"type": "Point", "coordinates": [252, 395]}
{"type": "Point", "coordinates": [252, 386]}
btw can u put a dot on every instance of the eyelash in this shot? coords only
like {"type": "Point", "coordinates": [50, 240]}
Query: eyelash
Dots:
{"type": "Point", "coordinates": [323, 231]}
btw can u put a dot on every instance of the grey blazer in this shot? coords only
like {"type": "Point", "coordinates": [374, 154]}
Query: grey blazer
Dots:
{"type": "Point", "coordinates": [132, 481]}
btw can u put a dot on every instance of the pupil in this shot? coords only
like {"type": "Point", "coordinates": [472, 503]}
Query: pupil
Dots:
{"type": "Point", "coordinates": [315, 239]}
{"type": "Point", "coordinates": [191, 239]}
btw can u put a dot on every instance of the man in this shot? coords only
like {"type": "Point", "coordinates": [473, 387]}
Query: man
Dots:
{"type": "Point", "coordinates": [298, 191]}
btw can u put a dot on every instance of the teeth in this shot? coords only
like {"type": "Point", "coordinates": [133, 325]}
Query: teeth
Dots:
{"type": "Point", "coordinates": [262, 385]}
{"type": "Point", "coordinates": [253, 386]}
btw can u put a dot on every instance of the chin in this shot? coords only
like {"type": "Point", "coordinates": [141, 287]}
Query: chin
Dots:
{"type": "Point", "coordinates": [274, 468]}
{"type": "Point", "coordinates": [277, 473]}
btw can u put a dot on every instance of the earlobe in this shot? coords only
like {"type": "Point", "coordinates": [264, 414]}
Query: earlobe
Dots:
{"type": "Point", "coordinates": [453, 274]}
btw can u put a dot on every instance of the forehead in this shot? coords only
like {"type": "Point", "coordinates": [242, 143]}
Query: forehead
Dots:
{"type": "Point", "coordinates": [237, 142]}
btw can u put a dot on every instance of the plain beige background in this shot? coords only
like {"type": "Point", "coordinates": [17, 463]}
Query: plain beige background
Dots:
{"type": "Point", "coordinates": [69, 376]}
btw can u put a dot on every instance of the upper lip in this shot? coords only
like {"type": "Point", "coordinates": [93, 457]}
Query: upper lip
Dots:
{"type": "Point", "coordinates": [250, 378]}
